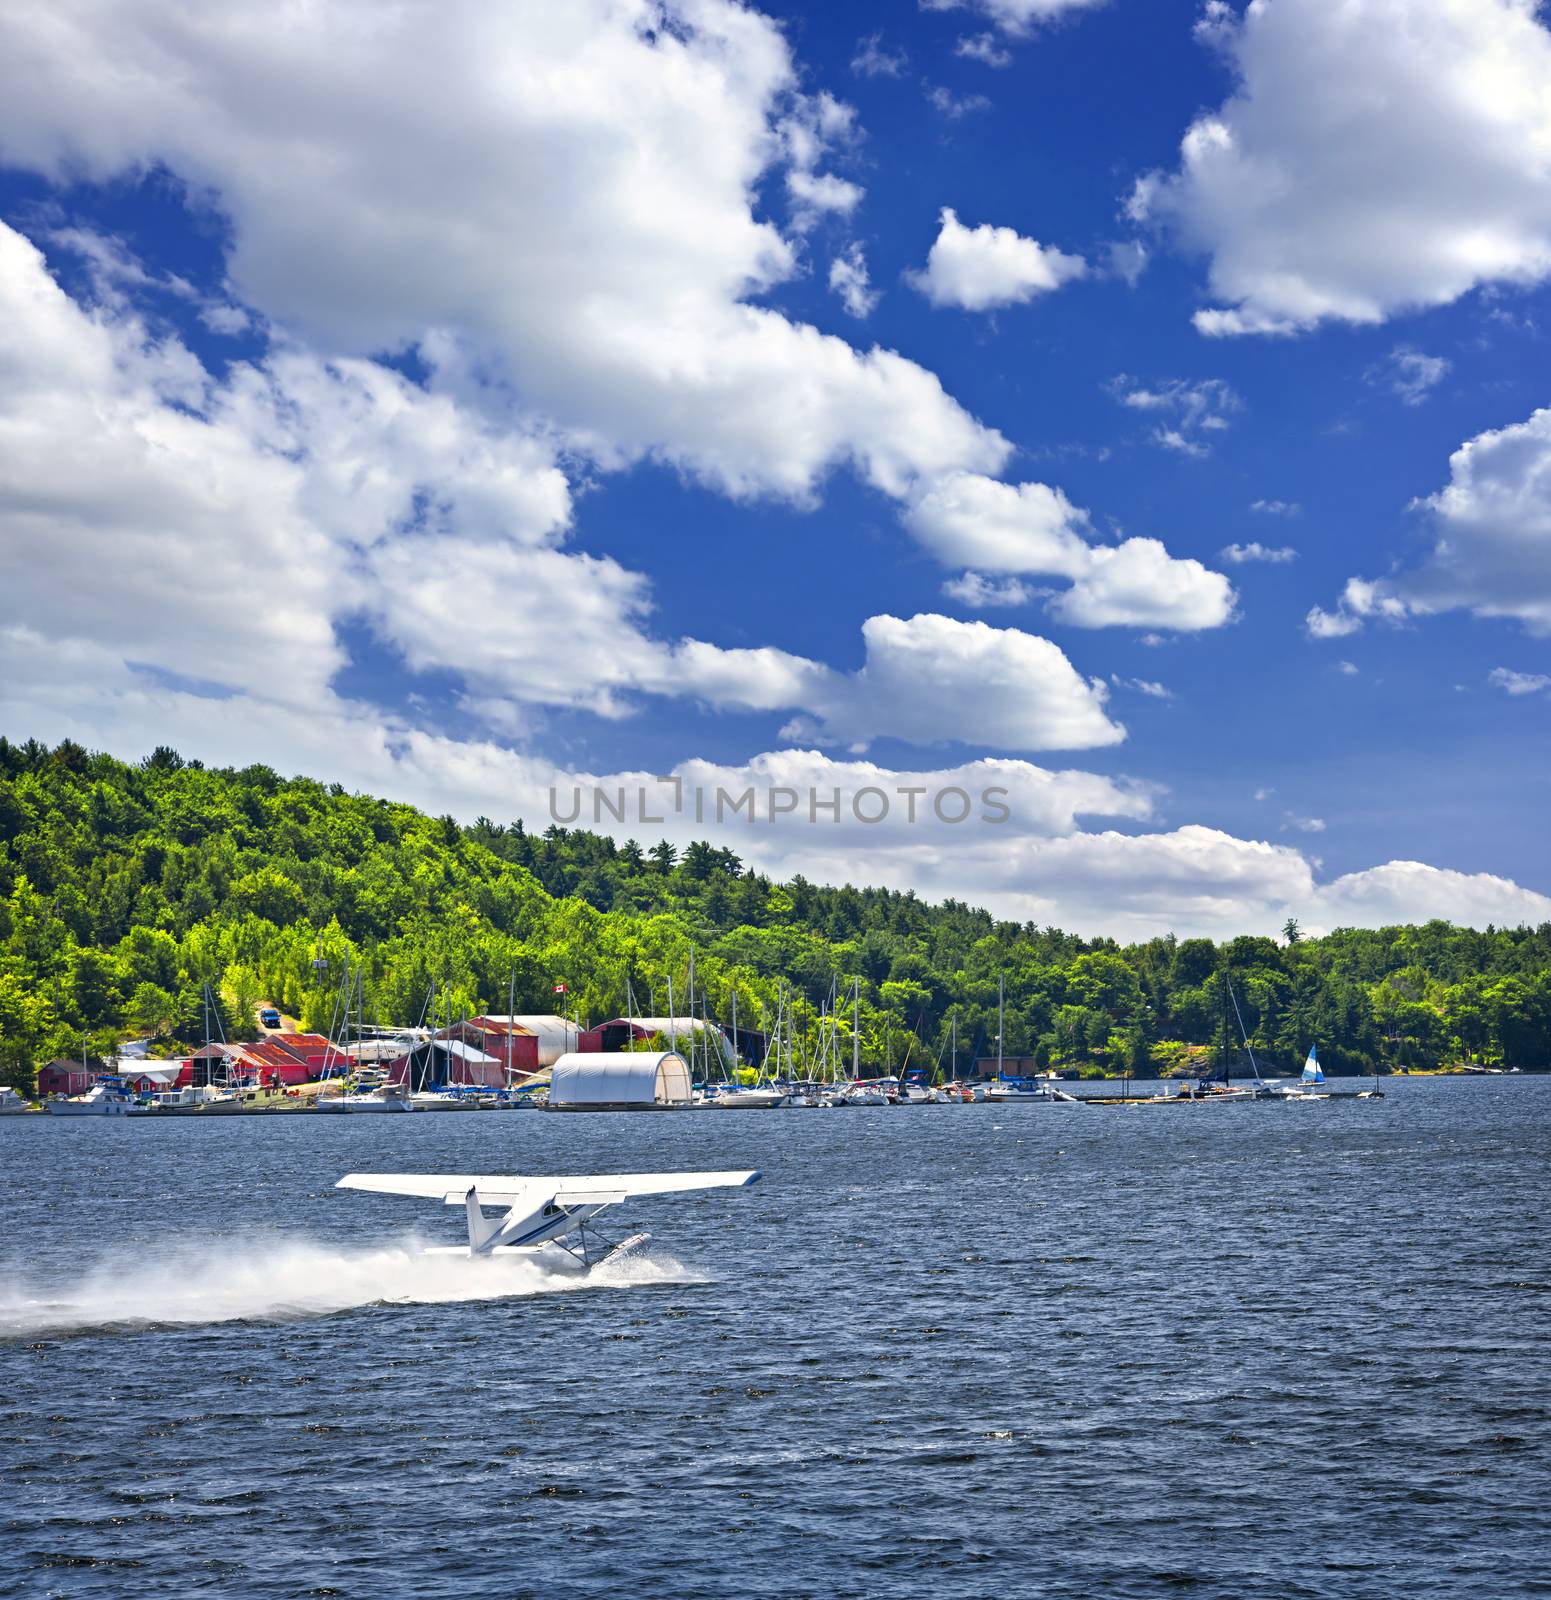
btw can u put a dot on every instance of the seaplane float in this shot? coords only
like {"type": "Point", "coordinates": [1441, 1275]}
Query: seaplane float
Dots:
{"type": "Point", "coordinates": [532, 1214]}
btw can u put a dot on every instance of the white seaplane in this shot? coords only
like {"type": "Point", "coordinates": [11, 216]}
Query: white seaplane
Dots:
{"type": "Point", "coordinates": [535, 1213]}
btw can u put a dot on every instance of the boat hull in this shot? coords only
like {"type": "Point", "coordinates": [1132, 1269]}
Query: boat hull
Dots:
{"type": "Point", "coordinates": [362, 1105]}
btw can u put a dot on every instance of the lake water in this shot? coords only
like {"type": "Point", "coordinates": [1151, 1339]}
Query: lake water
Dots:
{"type": "Point", "coordinates": [1236, 1351]}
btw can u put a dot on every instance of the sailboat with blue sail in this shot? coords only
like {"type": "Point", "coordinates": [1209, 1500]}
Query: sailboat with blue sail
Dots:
{"type": "Point", "coordinates": [1311, 1085]}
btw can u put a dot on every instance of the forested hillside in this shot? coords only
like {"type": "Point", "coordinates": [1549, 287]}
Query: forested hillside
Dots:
{"type": "Point", "coordinates": [125, 888]}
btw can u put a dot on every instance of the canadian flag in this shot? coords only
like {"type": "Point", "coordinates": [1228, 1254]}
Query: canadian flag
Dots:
{"type": "Point", "coordinates": [559, 988]}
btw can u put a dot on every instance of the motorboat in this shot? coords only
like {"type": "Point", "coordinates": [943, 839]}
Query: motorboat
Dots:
{"type": "Point", "coordinates": [108, 1097]}
{"type": "Point", "coordinates": [1033, 1091]}
{"type": "Point", "coordinates": [861, 1094]}
{"type": "Point", "coordinates": [755, 1098]}
{"type": "Point", "coordinates": [192, 1097]}
{"type": "Point", "coordinates": [430, 1100]}
{"type": "Point", "coordinates": [386, 1097]}
{"type": "Point", "coordinates": [11, 1103]}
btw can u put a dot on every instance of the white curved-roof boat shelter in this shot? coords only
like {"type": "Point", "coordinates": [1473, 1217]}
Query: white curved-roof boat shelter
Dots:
{"type": "Point", "coordinates": [619, 1081]}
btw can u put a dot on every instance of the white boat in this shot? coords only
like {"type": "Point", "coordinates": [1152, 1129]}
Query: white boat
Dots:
{"type": "Point", "coordinates": [1008, 1090]}
{"type": "Point", "coordinates": [389, 1097]}
{"type": "Point", "coordinates": [108, 1097]}
{"type": "Point", "coordinates": [861, 1094]}
{"type": "Point", "coordinates": [434, 1100]}
{"type": "Point", "coordinates": [1005, 1089]}
{"type": "Point", "coordinates": [202, 1097]}
{"type": "Point", "coordinates": [751, 1099]}
{"type": "Point", "coordinates": [11, 1103]}
{"type": "Point", "coordinates": [1031, 1091]}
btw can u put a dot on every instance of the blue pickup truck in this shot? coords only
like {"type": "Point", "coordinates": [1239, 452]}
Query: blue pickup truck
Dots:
{"type": "Point", "coordinates": [269, 1017]}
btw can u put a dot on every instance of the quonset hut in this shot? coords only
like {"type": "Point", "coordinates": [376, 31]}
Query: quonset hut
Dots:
{"type": "Point", "coordinates": [627, 1081]}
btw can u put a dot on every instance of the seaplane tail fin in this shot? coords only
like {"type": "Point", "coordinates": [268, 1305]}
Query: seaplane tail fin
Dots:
{"type": "Point", "coordinates": [482, 1230]}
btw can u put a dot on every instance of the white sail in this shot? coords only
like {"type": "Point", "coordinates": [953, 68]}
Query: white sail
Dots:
{"type": "Point", "coordinates": [1312, 1071]}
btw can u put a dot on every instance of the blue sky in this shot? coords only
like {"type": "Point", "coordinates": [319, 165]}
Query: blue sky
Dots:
{"type": "Point", "coordinates": [453, 403]}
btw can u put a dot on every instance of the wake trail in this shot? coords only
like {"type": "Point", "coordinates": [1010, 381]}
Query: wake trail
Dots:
{"type": "Point", "coordinates": [250, 1279]}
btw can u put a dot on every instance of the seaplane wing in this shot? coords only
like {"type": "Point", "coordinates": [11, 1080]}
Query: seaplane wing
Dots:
{"type": "Point", "coordinates": [538, 1211]}
{"type": "Point", "coordinates": [452, 1187]}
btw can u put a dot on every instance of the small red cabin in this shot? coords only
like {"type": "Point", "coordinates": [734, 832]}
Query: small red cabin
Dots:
{"type": "Point", "coordinates": [65, 1077]}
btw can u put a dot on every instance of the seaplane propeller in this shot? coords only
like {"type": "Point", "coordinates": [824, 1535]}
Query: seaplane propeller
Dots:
{"type": "Point", "coordinates": [533, 1213]}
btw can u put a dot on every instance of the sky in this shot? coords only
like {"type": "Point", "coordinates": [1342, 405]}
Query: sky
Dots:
{"type": "Point", "coordinates": [1124, 416]}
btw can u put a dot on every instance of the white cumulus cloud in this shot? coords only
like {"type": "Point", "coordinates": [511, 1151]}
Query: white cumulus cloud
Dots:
{"type": "Point", "coordinates": [1412, 891]}
{"type": "Point", "coordinates": [970, 520]}
{"type": "Point", "coordinates": [934, 679]}
{"type": "Point", "coordinates": [1138, 584]}
{"type": "Point", "coordinates": [568, 192]}
{"type": "Point", "coordinates": [230, 527]}
{"type": "Point", "coordinates": [1491, 554]}
{"type": "Point", "coordinates": [982, 268]}
{"type": "Point", "coordinates": [1376, 156]}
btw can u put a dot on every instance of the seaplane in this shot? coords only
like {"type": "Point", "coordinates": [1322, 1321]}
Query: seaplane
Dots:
{"type": "Point", "coordinates": [532, 1214]}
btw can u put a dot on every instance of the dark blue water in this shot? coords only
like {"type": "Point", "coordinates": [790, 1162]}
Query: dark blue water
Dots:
{"type": "Point", "coordinates": [960, 1351]}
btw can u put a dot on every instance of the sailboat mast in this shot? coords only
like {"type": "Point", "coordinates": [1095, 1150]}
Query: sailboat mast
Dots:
{"type": "Point", "coordinates": [1254, 1065]}
{"type": "Point", "coordinates": [791, 1009]}
{"type": "Point", "coordinates": [1001, 1015]}
{"type": "Point", "coordinates": [856, 1028]}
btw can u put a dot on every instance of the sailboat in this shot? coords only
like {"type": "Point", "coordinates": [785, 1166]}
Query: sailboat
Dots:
{"type": "Point", "coordinates": [384, 1097]}
{"type": "Point", "coordinates": [855, 1092]}
{"type": "Point", "coordinates": [1007, 1088]}
{"type": "Point", "coordinates": [763, 1094]}
{"type": "Point", "coordinates": [1311, 1084]}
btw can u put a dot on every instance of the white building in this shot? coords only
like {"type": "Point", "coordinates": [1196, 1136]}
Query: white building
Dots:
{"type": "Point", "coordinates": [635, 1081]}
